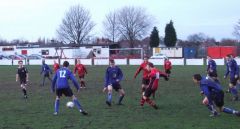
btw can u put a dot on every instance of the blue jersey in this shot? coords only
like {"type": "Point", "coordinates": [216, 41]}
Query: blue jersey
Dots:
{"type": "Point", "coordinates": [45, 69]}
{"type": "Point", "coordinates": [60, 79]}
{"type": "Point", "coordinates": [232, 68]}
{"type": "Point", "coordinates": [209, 88]}
{"type": "Point", "coordinates": [212, 66]}
{"type": "Point", "coordinates": [112, 75]}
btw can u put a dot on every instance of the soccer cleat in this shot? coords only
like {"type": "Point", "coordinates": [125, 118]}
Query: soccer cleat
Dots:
{"type": "Point", "coordinates": [25, 97]}
{"type": "Point", "coordinates": [227, 91]}
{"type": "Point", "coordinates": [235, 98]}
{"type": "Point", "coordinates": [155, 107]}
{"type": "Point", "coordinates": [83, 112]}
{"type": "Point", "coordinates": [237, 113]}
{"type": "Point", "coordinates": [55, 113]}
{"type": "Point", "coordinates": [108, 103]}
{"type": "Point", "coordinates": [214, 114]}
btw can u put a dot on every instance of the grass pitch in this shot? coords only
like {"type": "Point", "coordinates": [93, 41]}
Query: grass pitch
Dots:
{"type": "Point", "coordinates": [179, 103]}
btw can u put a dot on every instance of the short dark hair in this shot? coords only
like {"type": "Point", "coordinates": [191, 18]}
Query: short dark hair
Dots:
{"type": "Point", "coordinates": [151, 64]}
{"type": "Point", "coordinates": [20, 61]}
{"type": "Point", "coordinates": [229, 55]}
{"type": "Point", "coordinates": [197, 77]}
{"type": "Point", "coordinates": [65, 64]}
{"type": "Point", "coordinates": [111, 61]}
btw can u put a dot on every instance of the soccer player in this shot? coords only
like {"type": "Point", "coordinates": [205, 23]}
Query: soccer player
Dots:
{"type": "Point", "coordinates": [55, 66]}
{"type": "Point", "coordinates": [81, 73]}
{"type": "Point", "coordinates": [113, 77]}
{"type": "Point", "coordinates": [233, 71]}
{"type": "Point", "coordinates": [145, 78]}
{"type": "Point", "coordinates": [45, 72]}
{"type": "Point", "coordinates": [167, 66]}
{"type": "Point", "coordinates": [154, 75]}
{"type": "Point", "coordinates": [214, 94]}
{"type": "Point", "coordinates": [212, 69]}
{"type": "Point", "coordinates": [60, 84]}
{"type": "Point", "coordinates": [22, 76]}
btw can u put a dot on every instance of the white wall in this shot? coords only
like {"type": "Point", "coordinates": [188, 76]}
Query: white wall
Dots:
{"type": "Point", "coordinates": [101, 61]}
{"type": "Point", "coordinates": [157, 61]}
{"type": "Point", "coordinates": [194, 62]}
{"type": "Point", "coordinates": [177, 61]}
{"type": "Point", "coordinates": [120, 61]}
{"type": "Point", "coordinates": [135, 61]}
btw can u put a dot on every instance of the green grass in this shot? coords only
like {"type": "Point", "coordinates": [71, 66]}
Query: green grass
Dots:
{"type": "Point", "coordinates": [178, 99]}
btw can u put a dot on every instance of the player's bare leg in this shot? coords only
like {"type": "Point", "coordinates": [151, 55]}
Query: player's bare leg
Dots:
{"type": "Point", "coordinates": [24, 89]}
{"type": "Point", "coordinates": [82, 82]}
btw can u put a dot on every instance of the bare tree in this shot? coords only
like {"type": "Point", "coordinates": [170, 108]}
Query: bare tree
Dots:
{"type": "Point", "coordinates": [133, 23]}
{"type": "Point", "coordinates": [110, 26]}
{"type": "Point", "coordinates": [236, 32]}
{"type": "Point", "coordinates": [76, 25]}
{"type": "Point", "coordinates": [200, 38]}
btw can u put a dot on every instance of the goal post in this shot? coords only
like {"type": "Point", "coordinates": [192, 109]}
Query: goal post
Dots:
{"type": "Point", "coordinates": [126, 53]}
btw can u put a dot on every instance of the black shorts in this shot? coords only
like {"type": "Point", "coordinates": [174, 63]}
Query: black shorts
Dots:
{"type": "Point", "coordinates": [116, 86]}
{"type": "Point", "coordinates": [168, 71]}
{"type": "Point", "coordinates": [218, 98]}
{"type": "Point", "coordinates": [148, 92]}
{"type": "Point", "coordinates": [46, 74]}
{"type": "Point", "coordinates": [23, 81]}
{"type": "Point", "coordinates": [145, 81]}
{"type": "Point", "coordinates": [81, 76]}
{"type": "Point", "coordinates": [234, 80]}
{"type": "Point", "coordinates": [66, 91]}
{"type": "Point", "coordinates": [213, 74]}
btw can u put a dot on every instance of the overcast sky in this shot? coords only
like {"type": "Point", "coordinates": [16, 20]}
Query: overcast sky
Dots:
{"type": "Point", "coordinates": [30, 19]}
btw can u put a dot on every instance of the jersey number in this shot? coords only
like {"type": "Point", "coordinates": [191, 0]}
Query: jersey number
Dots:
{"type": "Point", "coordinates": [62, 74]}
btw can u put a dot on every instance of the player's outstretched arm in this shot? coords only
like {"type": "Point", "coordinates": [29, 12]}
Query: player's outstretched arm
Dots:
{"type": "Point", "coordinates": [138, 71]}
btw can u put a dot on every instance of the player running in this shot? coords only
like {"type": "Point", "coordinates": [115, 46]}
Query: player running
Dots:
{"type": "Point", "coordinates": [233, 71]}
{"type": "Point", "coordinates": [145, 78]}
{"type": "Point", "coordinates": [212, 69]}
{"type": "Point", "coordinates": [81, 73]}
{"type": "Point", "coordinates": [167, 66]}
{"type": "Point", "coordinates": [22, 76]}
{"type": "Point", "coordinates": [214, 94]}
{"type": "Point", "coordinates": [60, 84]}
{"type": "Point", "coordinates": [154, 75]}
{"type": "Point", "coordinates": [45, 72]}
{"type": "Point", "coordinates": [113, 77]}
{"type": "Point", "coordinates": [55, 66]}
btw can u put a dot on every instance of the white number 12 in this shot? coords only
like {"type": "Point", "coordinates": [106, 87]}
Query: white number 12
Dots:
{"type": "Point", "coordinates": [62, 73]}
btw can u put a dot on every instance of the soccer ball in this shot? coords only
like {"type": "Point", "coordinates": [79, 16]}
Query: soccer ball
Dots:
{"type": "Point", "coordinates": [70, 104]}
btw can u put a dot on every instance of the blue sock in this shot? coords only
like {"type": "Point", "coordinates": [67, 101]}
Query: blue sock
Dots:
{"type": "Point", "coordinates": [228, 110]}
{"type": "Point", "coordinates": [120, 99]}
{"type": "Point", "coordinates": [77, 103]}
{"type": "Point", "coordinates": [234, 91]}
{"type": "Point", "coordinates": [57, 105]}
{"type": "Point", "coordinates": [109, 97]}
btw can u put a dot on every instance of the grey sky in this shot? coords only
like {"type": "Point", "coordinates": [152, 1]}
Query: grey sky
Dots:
{"type": "Point", "coordinates": [30, 19]}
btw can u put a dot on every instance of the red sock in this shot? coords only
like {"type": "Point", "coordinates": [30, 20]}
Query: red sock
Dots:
{"type": "Point", "coordinates": [150, 102]}
{"type": "Point", "coordinates": [142, 101]}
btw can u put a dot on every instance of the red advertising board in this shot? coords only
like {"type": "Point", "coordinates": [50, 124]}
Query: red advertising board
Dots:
{"type": "Point", "coordinates": [24, 52]}
{"type": "Point", "coordinates": [222, 51]}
